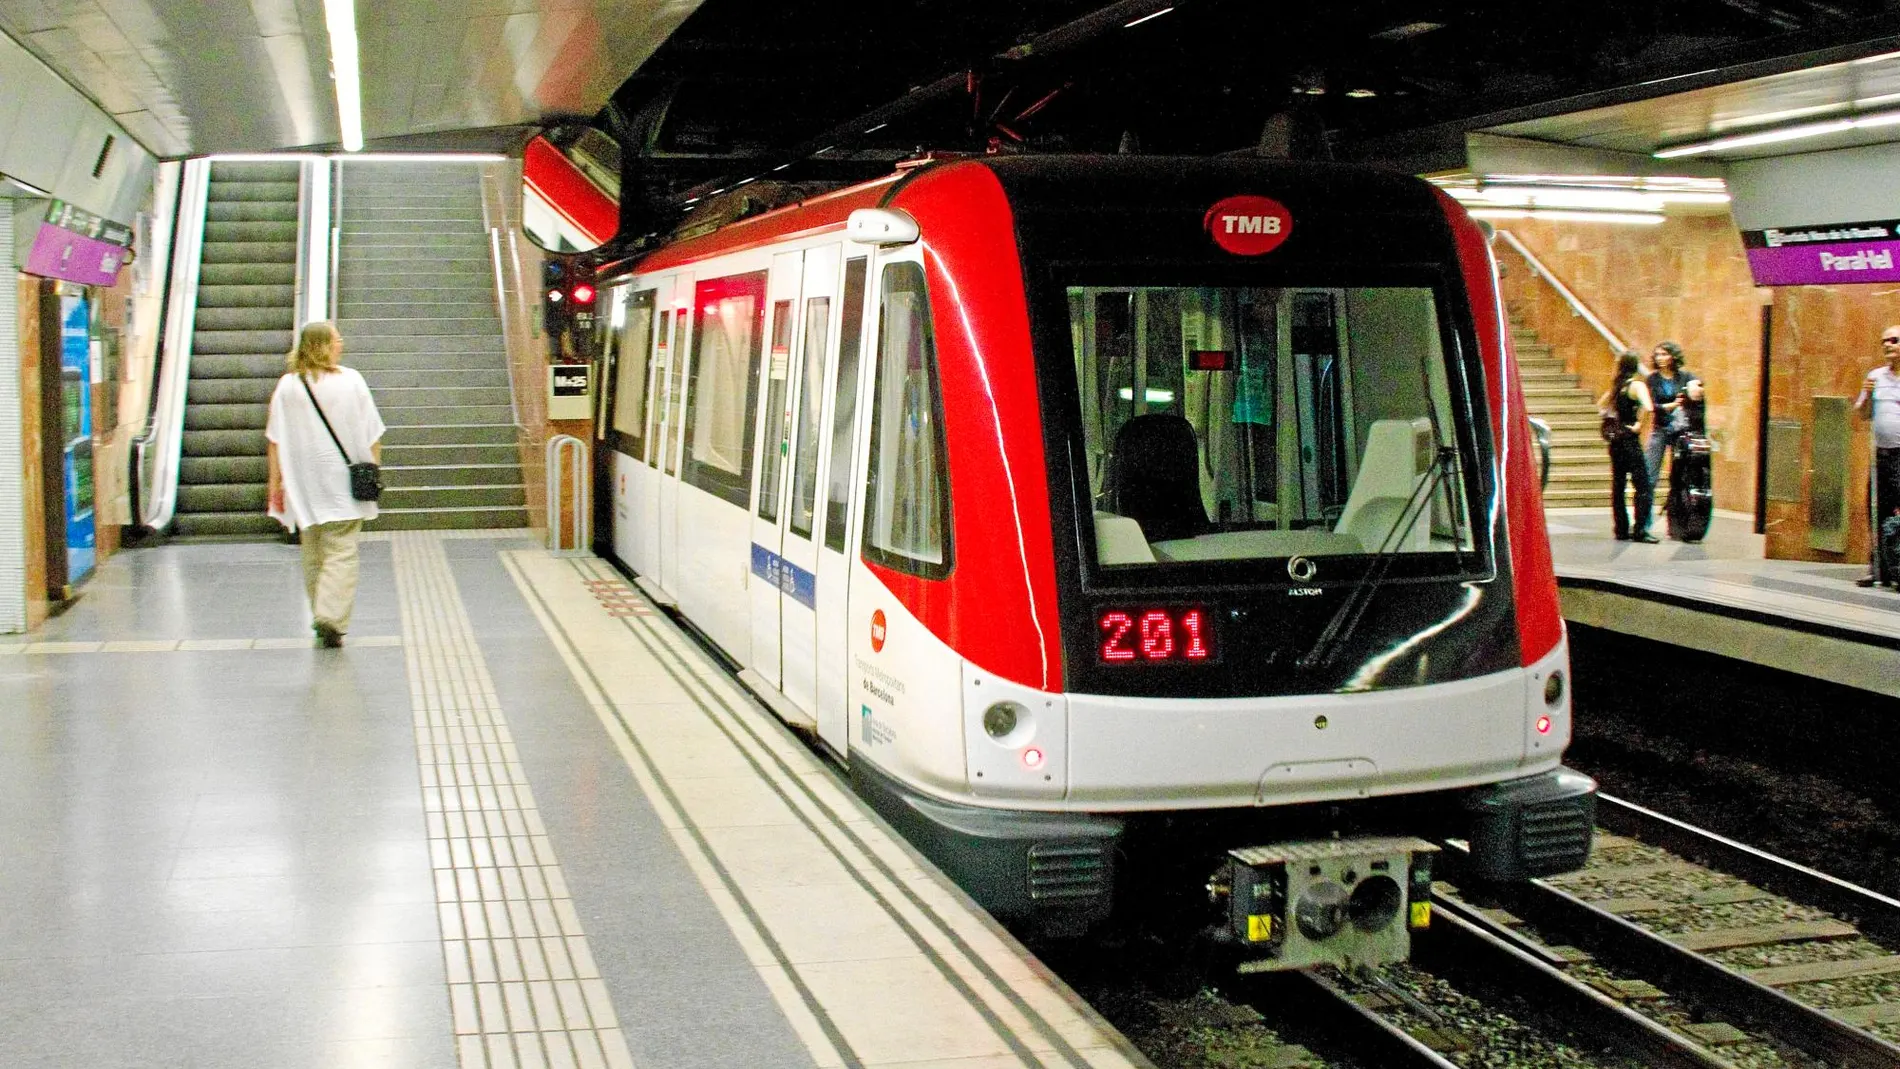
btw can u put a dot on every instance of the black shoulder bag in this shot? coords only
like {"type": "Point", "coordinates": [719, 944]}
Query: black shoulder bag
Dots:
{"type": "Point", "coordinates": [366, 479]}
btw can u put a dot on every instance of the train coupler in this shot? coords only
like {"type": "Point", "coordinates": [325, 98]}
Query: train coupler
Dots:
{"type": "Point", "coordinates": [1346, 902]}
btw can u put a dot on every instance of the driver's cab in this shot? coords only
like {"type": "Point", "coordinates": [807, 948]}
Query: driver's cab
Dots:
{"type": "Point", "coordinates": [1242, 422]}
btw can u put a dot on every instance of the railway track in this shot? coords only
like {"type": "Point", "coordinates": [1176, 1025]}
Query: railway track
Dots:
{"type": "Point", "coordinates": [1754, 950]}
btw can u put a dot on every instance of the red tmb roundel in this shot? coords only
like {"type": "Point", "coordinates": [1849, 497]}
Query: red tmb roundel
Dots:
{"type": "Point", "coordinates": [877, 631]}
{"type": "Point", "coordinates": [1248, 225]}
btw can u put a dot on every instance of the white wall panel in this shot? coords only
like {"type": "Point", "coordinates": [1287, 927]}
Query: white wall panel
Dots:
{"type": "Point", "coordinates": [50, 137]}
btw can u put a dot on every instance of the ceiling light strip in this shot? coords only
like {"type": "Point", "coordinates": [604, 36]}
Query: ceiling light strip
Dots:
{"type": "Point", "coordinates": [339, 16]}
{"type": "Point", "coordinates": [1562, 216]}
{"type": "Point", "coordinates": [1786, 133]}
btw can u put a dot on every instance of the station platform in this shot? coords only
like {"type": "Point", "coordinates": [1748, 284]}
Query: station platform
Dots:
{"type": "Point", "coordinates": [519, 819]}
{"type": "Point", "coordinates": [1720, 596]}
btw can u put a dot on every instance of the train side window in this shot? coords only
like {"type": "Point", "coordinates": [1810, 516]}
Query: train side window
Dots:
{"type": "Point", "coordinates": [661, 389]}
{"type": "Point", "coordinates": [777, 371]}
{"type": "Point", "coordinates": [722, 389]}
{"type": "Point", "coordinates": [844, 415]}
{"type": "Point", "coordinates": [907, 514]}
{"type": "Point", "coordinates": [805, 463]}
{"type": "Point", "coordinates": [630, 376]}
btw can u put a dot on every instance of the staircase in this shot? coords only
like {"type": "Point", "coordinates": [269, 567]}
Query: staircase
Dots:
{"type": "Point", "coordinates": [246, 309]}
{"type": "Point", "coordinates": [417, 309]}
{"type": "Point", "coordinates": [1579, 462]}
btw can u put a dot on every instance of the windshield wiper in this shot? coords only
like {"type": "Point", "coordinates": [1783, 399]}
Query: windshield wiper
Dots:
{"type": "Point", "coordinates": [1347, 616]}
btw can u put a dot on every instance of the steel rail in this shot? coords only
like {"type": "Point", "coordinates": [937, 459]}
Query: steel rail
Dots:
{"type": "Point", "coordinates": [1460, 932]}
{"type": "Point", "coordinates": [1871, 911]}
{"type": "Point", "coordinates": [1695, 976]}
{"type": "Point", "coordinates": [1318, 1003]}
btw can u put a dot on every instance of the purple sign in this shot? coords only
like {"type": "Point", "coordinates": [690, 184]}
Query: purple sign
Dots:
{"type": "Point", "coordinates": [63, 254]}
{"type": "Point", "coordinates": [1826, 265]}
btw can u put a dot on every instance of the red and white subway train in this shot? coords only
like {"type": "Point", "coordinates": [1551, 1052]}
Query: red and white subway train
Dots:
{"type": "Point", "coordinates": [1121, 523]}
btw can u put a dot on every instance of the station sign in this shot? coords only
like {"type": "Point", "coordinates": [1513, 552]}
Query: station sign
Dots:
{"type": "Point", "coordinates": [1825, 254]}
{"type": "Point", "coordinates": [570, 391]}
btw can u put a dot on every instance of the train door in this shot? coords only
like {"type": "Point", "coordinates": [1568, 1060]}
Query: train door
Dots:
{"type": "Point", "coordinates": [668, 442]}
{"type": "Point", "coordinates": [798, 546]}
{"type": "Point", "coordinates": [837, 479]}
{"type": "Point", "coordinates": [772, 579]}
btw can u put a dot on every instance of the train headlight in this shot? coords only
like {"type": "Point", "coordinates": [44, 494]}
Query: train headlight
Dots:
{"type": "Point", "coordinates": [1375, 903]}
{"type": "Point", "coordinates": [1554, 688]}
{"type": "Point", "coordinates": [1001, 719]}
{"type": "Point", "coordinates": [1321, 911]}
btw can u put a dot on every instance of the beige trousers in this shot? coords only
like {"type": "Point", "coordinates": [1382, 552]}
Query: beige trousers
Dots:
{"type": "Point", "coordinates": [330, 566]}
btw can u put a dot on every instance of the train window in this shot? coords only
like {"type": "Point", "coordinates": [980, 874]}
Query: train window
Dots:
{"type": "Point", "coordinates": [805, 456]}
{"type": "Point", "coordinates": [630, 375]}
{"type": "Point", "coordinates": [661, 387]}
{"type": "Point", "coordinates": [722, 390]}
{"type": "Point", "coordinates": [778, 417]}
{"type": "Point", "coordinates": [907, 512]}
{"type": "Point", "coordinates": [1236, 423]}
{"type": "Point", "coordinates": [844, 414]}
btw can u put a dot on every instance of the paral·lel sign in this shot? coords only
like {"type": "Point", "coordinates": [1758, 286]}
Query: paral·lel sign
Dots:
{"type": "Point", "coordinates": [1824, 254]}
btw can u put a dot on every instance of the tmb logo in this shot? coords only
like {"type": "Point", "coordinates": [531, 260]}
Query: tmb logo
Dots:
{"type": "Point", "coordinates": [1248, 225]}
{"type": "Point", "coordinates": [877, 631]}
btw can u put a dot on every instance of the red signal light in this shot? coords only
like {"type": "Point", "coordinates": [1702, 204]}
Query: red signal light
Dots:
{"type": "Point", "coordinates": [583, 294]}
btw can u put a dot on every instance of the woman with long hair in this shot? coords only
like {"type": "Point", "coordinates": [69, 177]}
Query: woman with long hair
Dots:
{"type": "Point", "coordinates": [310, 470]}
{"type": "Point", "coordinates": [1628, 400]}
{"type": "Point", "coordinates": [1669, 391]}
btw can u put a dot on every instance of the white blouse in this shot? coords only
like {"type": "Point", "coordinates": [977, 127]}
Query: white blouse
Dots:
{"type": "Point", "coordinates": [316, 478]}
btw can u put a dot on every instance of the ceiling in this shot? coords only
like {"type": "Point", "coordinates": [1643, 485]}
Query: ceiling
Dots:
{"type": "Point", "coordinates": [725, 89]}
{"type": "Point", "coordinates": [195, 77]}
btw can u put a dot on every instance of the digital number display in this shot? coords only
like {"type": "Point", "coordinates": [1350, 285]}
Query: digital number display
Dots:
{"type": "Point", "coordinates": [1156, 636]}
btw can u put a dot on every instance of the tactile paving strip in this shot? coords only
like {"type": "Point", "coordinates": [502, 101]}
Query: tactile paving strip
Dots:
{"type": "Point", "coordinates": [523, 986]}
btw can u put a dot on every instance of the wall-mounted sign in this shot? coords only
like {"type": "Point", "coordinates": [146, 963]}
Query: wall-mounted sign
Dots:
{"type": "Point", "coordinates": [570, 389]}
{"type": "Point", "coordinates": [73, 257]}
{"type": "Point", "coordinates": [1824, 254]}
{"type": "Point", "coordinates": [80, 221]}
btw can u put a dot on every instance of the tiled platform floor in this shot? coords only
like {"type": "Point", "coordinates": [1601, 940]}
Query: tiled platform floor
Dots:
{"type": "Point", "coordinates": [517, 820]}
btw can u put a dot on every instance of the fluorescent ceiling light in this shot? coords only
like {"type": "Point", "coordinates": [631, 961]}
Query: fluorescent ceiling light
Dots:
{"type": "Point", "coordinates": [339, 16]}
{"type": "Point", "coordinates": [1145, 18]}
{"type": "Point", "coordinates": [1559, 216]}
{"type": "Point", "coordinates": [420, 157]}
{"type": "Point", "coordinates": [1580, 197]}
{"type": "Point", "coordinates": [1788, 133]}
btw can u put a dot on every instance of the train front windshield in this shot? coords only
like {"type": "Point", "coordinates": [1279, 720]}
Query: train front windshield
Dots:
{"type": "Point", "coordinates": [1235, 423]}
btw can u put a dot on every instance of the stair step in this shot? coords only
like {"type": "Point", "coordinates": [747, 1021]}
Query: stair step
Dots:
{"type": "Point", "coordinates": [265, 191]}
{"type": "Point", "coordinates": [252, 231]}
{"type": "Point", "coordinates": [237, 365]}
{"type": "Point", "coordinates": [241, 341]}
{"type": "Point", "coordinates": [225, 443]}
{"type": "Point", "coordinates": [380, 381]}
{"type": "Point", "coordinates": [454, 435]}
{"type": "Point", "coordinates": [223, 470]}
{"type": "Point", "coordinates": [448, 415]}
{"type": "Point", "coordinates": [476, 518]}
{"type": "Point", "coordinates": [249, 252]}
{"type": "Point", "coordinates": [232, 391]}
{"type": "Point", "coordinates": [245, 296]}
{"type": "Point", "coordinates": [222, 417]}
{"type": "Point", "coordinates": [503, 495]}
{"type": "Point", "coordinates": [247, 274]}
{"type": "Point", "coordinates": [190, 524]}
{"type": "Point", "coordinates": [390, 398]}
{"type": "Point", "coordinates": [237, 211]}
{"type": "Point", "coordinates": [360, 350]}
{"type": "Point", "coordinates": [462, 473]}
{"type": "Point", "coordinates": [242, 318]}
{"type": "Point", "coordinates": [464, 305]}
{"type": "Point", "coordinates": [435, 456]}
{"type": "Point", "coordinates": [222, 497]}
{"type": "Point", "coordinates": [223, 171]}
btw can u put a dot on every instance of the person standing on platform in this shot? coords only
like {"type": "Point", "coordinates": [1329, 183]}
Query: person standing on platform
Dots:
{"type": "Point", "coordinates": [1628, 400]}
{"type": "Point", "coordinates": [1668, 389]}
{"type": "Point", "coordinates": [1879, 401]}
{"type": "Point", "coordinates": [309, 488]}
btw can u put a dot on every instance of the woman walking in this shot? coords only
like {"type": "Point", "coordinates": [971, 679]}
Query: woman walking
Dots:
{"type": "Point", "coordinates": [310, 475]}
{"type": "Point", "coordinates": [1628, 400]}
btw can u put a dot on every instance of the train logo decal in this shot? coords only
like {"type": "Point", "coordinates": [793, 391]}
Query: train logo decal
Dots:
{"type": "Point", "coordinates": [1301, 569]}
{"type": "Point", "coordinates": [1248, 225]}
{"type": "Point", "coordinates": [877, 631]}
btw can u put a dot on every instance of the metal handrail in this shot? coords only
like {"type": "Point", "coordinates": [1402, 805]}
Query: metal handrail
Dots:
{"type": "Point", "coordinates": [160, 451]}
{"type": "Point", "coordinates": [580, 486]}
{"type": "Point", "coordinates": [1576, 306]}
